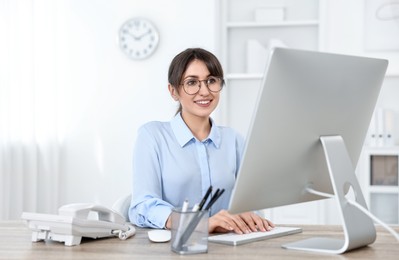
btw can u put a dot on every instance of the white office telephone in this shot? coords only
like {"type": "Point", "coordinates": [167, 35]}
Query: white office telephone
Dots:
{"type": "Point", "coordinates": [76, 221]}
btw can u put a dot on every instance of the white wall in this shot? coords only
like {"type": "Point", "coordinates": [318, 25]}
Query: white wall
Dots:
{"type": "Point", "coordinates": [105, 96]}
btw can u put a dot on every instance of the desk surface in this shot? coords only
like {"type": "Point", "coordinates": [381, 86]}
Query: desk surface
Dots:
{"type": "Point", "coordinates": [15, 243]}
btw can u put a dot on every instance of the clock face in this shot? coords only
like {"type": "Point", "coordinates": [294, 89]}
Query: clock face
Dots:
{"type": "Point", "coordinates": [138, 38]}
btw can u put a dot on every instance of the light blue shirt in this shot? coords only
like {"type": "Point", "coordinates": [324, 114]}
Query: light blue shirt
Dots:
{"type": "Point", "coordinates": [170, 165]}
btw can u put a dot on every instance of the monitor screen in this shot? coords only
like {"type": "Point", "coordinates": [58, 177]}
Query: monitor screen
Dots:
{"type": "Point", "coordinates": [304, 95]}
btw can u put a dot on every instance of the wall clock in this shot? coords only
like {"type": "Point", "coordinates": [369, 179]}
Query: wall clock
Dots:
{"type": "Point", "coordinates": [138, 38]}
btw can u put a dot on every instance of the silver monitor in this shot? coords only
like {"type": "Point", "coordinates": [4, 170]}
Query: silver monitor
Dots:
{"type": "Point", "coordinates": [307, 96]}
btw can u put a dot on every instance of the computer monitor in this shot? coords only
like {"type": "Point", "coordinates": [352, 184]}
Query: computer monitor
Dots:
{"type": "Point", "coordinates": [309, 103]}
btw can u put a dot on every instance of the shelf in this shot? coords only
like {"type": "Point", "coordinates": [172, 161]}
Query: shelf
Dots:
{"type": "Point", "coordinates": [383, 150]}
{"type": "Point", "coordinates": [384, 189]}
{"type": "Point", "coordinates": [244, 76]}
{"type": "Point", "coordinates": [271, 24]}
{"type": "Point", "coordinates": [246, 37]}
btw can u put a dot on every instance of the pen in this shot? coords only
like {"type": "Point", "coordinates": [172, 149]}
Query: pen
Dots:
{"type": "Point", "coordinates": [208, 192]}
{"type": "Point", "coordinates": [196, 207]}
{"type": "Point", "coordinates": [185, 206]}
{"type": "Point", "coordinates": [214, 199]}
{"type": "Point", "coordinates": [213, 196]}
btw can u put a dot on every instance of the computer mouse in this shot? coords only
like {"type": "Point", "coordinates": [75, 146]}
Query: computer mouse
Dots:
{"type": "Point", "coordinates": [159, 235]}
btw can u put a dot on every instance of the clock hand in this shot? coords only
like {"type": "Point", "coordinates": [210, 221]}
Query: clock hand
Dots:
{"type": "Point", "coordinates": [144, 34]}
{"type": "Point", "coordinates": [134, 36]}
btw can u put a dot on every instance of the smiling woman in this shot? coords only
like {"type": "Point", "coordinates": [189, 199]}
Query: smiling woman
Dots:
{"type": "Point", "coordinates": [179, 160]}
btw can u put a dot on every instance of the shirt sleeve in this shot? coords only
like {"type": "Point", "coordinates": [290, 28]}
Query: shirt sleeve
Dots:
{"type": "Point", "coordinates": [147, 209]}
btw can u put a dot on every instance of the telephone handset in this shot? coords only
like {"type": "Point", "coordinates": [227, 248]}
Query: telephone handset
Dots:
{"type": "Point", "coordinates": [82, 211]}
{"type": "Point", "coordinates": [75, 221]}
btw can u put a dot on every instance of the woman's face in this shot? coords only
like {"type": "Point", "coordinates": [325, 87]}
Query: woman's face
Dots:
{"type": "Point", "coordinates": [204, 102]}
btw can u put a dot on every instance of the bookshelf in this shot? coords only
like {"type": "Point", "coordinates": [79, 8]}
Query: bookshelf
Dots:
{"type": "Point", "coordinates": [248, 29]}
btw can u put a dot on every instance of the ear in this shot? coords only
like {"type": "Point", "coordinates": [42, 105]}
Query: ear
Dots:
{"type": "Point", "coordinates": [173, 92]}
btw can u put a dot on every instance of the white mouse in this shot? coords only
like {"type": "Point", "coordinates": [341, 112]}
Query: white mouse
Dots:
{"type": "Point", "coordinates": [159, 235]}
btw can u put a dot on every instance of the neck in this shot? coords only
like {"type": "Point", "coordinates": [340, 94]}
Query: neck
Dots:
{"type": "Point", "coordinates": [199, 126]}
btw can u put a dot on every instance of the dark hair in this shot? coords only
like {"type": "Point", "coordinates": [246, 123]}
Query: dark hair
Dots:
{"type": "Point", "coordinates": [181, 61]}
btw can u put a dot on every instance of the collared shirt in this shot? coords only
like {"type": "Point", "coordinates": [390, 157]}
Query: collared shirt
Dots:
{"type": "Point", "coordinates": [170, 165]}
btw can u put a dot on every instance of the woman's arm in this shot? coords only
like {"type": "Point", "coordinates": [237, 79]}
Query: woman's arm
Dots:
{"type": "Point", "coordinates": [147, 208]}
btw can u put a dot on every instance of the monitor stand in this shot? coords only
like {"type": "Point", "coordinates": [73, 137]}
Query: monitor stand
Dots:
{"type": "Point", "coordinates": [358, 228]}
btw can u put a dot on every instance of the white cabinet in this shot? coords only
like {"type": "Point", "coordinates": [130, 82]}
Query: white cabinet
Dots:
{"type": "Point", "coordinates": [248, 30]}
{"type": "Point", "coordinates": [379, 175]}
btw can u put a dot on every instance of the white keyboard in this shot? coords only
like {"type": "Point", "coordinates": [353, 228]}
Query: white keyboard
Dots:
{"type": "Point", "coordinates": [236, 239]}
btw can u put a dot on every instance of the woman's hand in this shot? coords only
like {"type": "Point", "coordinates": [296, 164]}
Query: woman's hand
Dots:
{"type": "Point", "coordinates": [168, 223]}
{"type": "Point", "coordinates": [247, 222]}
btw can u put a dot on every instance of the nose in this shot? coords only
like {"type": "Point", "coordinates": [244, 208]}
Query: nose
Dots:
{"type": "Point", "coordinates": [203, 91]}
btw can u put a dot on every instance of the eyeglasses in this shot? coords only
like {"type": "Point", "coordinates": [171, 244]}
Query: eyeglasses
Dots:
{"type": "Point", "coordinates": [192, 86]}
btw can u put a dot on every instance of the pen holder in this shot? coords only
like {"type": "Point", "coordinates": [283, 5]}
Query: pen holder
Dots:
{"type": "Point", "coordinates": [189, 231]}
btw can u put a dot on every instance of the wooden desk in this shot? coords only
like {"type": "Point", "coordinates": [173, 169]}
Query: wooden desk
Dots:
{"type": "Point", "coordinates": [15, 243]}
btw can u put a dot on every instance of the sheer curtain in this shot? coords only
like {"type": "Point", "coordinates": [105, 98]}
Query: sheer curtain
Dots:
{"type": "Point", "coordinates": [29, 121]}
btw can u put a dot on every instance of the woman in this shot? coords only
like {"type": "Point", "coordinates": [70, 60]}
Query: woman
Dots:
{"type": "Point", "coordinates": [178, 160]}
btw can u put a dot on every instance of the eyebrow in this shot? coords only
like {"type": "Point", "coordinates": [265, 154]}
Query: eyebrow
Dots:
{"type": "Point", "coordinates": [194, 76]}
